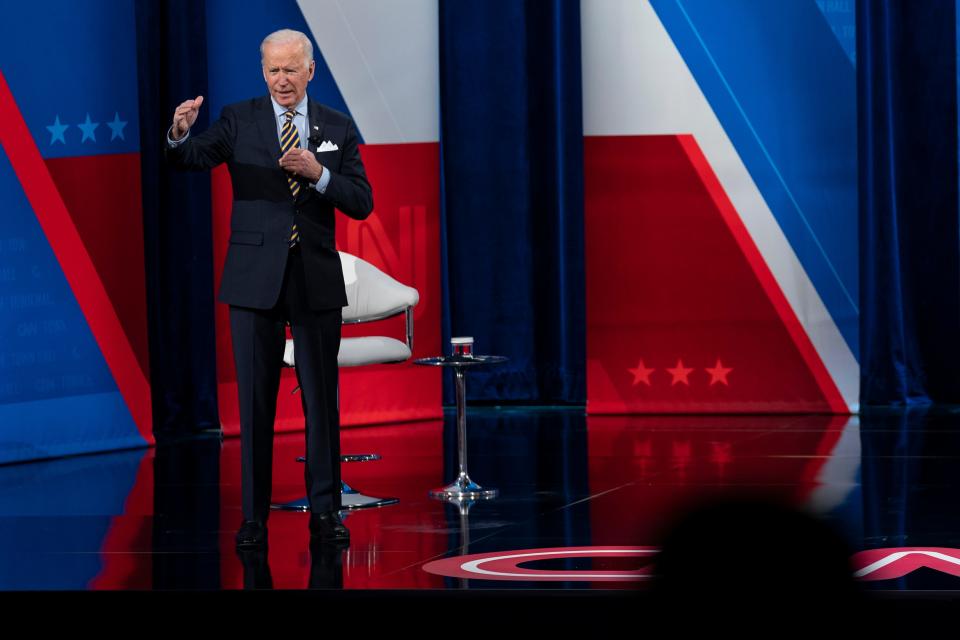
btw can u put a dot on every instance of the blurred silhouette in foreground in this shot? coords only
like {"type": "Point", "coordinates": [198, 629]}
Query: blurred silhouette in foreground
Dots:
{"type": "Point", "coordinates": [748, 560]}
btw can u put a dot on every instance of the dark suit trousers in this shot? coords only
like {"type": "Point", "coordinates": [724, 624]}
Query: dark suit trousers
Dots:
{"type": "Point", "coordinates": [258, 342]}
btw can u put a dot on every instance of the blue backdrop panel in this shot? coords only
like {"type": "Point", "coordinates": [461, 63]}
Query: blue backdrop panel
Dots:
{"type": "Point", "coordinates": [76, 91]}
{"type": "Point", "coordinates": [84, 64]}
{"type": "Point", "coordinates": [785, 93]}
{"type": "Point", "coordinates": [57, 395]}
{"type": "Point", "coordinates": [841, 15]}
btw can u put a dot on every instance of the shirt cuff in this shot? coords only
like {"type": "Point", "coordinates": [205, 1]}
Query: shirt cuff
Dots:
{"type": "Point", "coordinates": [324, 180]}
{"type": "Point", "coordinates": [171, 143]}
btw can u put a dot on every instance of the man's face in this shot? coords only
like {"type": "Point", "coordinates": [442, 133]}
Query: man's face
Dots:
{"type": "Point", "coordinates": [285, 73]}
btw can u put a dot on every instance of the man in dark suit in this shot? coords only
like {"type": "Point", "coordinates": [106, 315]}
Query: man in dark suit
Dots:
{"type": "Point", "coordinates": [291, 161]}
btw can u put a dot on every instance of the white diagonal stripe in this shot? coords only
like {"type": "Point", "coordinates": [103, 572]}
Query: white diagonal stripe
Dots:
{"type": "Point", "coordinates": [384, 57]}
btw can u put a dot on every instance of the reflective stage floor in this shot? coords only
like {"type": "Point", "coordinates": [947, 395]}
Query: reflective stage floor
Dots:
{"type": "Point", "coordinates": [585, 505]}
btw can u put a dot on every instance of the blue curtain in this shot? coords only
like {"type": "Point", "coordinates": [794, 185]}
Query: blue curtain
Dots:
{"type": "Point", "coordinates": [178, 249]}
{"type": "Point", "coordinates": [909, 231]}
{"type": "Point", "coordinates": [512, 194]}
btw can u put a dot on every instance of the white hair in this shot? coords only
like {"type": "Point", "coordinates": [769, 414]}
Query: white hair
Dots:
{"type": "Point", "coordinates": [284, 36]}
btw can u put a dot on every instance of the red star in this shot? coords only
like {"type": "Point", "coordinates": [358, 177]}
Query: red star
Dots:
{"type": "Point", "coordinates": [719, 374]}
{"type": "Point", "coordinates": [641, 374]}
{"type": "Point", "coordinates": [680, 373]}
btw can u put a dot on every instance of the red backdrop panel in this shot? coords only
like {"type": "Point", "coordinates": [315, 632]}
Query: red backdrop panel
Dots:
{"type": "Point", "coordinates": [683, 315]}
{"type": "Point", "coordinates": [102, 194]}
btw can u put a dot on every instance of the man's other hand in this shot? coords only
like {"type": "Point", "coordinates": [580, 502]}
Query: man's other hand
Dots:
{"type": "Point", "coordinates": [303, 163]}
{"type": "Point", "coordinates": [184, 116]}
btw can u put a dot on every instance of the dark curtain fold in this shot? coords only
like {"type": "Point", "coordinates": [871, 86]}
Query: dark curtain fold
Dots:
{"type": "Point", "coordinates": [512, 194]}
{"type": "Point", "coordinates": [178, 250]}
{"type": "Point", "coordinates": [906, 481]}
{"type": "Point", "coordinates": [909, 231]}
{"type": "Point", "coordinates": [186, 501]}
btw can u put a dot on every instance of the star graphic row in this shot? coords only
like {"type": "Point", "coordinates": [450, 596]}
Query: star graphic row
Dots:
{"type": "Point", "coordinates": [681, 374]}
{"type": "Point", "coordinates": [88, 129]}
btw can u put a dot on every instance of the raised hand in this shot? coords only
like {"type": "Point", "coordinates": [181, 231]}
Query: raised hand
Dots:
{"type": "Point", "coordinates": [184, 116]}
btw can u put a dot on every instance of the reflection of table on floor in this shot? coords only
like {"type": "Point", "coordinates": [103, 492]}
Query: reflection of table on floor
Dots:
{"type": "Point", "coordinates": [463, 487]}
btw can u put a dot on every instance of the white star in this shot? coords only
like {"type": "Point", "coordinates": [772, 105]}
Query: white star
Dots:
{"type": "Point", "coordinates": [88, 128]}
{"type": "Point", "coordinates": [56, 130]}
{"type": "Point", "coordinates": [116, 127]}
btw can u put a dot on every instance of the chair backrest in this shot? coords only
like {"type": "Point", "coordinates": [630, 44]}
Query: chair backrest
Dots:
{"type": "Point", "coordinates": [371, 293]}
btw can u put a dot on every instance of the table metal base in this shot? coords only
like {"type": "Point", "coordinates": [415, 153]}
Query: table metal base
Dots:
{"type": "Point", "coordinates": [463, 488]}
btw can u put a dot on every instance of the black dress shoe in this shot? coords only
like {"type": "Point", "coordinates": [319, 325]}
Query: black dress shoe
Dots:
{"type": "Point", "coordinates": [327, 527]}
{"type": "Point", "coordinates": [252, 533]}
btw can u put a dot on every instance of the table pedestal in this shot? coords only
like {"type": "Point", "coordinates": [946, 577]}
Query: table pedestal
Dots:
{"type": "Point", "coordinates": [463, 488]}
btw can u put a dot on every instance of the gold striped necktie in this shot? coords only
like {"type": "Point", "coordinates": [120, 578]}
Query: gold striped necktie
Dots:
{"type": "Point", "coordinates": [290, 139]}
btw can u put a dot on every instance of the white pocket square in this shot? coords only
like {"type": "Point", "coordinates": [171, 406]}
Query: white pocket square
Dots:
{"type": "Point", "coordinates": [327, 146]}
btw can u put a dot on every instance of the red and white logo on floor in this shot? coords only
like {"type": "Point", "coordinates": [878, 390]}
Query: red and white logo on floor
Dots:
{"type": "Point", "coordinates": [505, 565]}
{"type": "Point", "coordinates": [874, 564]}
{"type": "Point", "coordinates": [896, 562]}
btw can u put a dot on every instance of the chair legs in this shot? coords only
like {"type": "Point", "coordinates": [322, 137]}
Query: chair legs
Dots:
{"type": "Point", "coordinates": [350, 498]}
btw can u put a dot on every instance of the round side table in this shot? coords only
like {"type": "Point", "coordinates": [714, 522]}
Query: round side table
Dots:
{"type": "Point", "coordinates": [463, 488]}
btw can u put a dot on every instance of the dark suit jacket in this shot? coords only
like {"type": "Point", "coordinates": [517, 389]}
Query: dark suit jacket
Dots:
{"type": "Point", "coordinates": [245, 137]}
